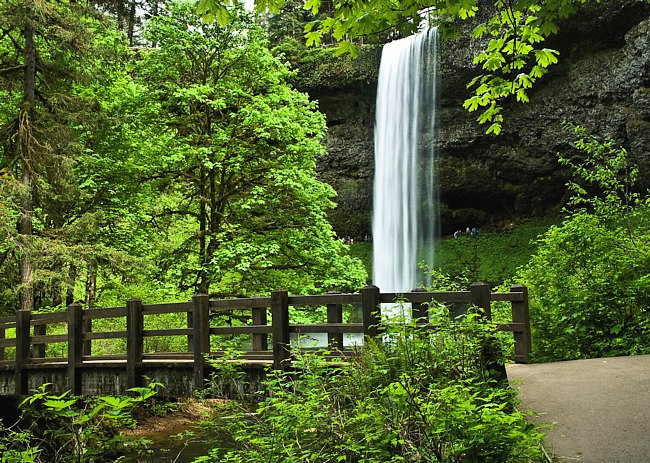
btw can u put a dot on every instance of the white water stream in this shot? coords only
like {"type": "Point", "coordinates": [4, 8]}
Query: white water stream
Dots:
{"type": "Point", "coordinates": [405, 216]}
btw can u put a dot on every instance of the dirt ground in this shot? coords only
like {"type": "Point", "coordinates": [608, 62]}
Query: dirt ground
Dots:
{"type": "Point", "coordinates": [160, 428]}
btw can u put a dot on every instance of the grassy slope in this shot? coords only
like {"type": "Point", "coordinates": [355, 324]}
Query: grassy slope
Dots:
{"type": "Point", "coordinates": [492, 257]}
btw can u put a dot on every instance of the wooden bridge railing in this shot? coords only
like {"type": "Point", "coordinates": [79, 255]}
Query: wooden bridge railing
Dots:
{"type": "Point", "coordinates": [30, 342]}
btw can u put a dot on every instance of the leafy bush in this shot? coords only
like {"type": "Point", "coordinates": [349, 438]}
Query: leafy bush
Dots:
{"type": "Point", "coordinates": [417, 396]}
{"type": "Point", "coordinates": [62, 428]}
{"type": "Point", "coordinates": [589, 280]}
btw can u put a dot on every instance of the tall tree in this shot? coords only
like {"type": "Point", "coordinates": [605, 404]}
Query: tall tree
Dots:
{"type": "Point", "coordinates": [27, 64]}
{"type": "Point", "coordinates": [25, 133]}
{"type": "Point", "coordinates": [242, 206]}
{"type": "Point", "coordinates": [45, 64]}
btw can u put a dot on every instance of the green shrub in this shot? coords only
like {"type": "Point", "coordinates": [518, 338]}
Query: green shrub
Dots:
{"type": "Point", "coordinates": [590, 278]}
{"type": "Point", "coordinates": [62, 428]}
{"type": "Point", "coordinates": [417, 396]}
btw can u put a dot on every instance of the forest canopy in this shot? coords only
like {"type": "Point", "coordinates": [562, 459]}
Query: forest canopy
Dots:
{"type": "Point", "coordinates": [183, 164]}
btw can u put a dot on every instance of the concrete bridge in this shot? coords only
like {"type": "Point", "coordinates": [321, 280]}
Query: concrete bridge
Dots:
{"type": "Point", "coordinates": [24, 364]}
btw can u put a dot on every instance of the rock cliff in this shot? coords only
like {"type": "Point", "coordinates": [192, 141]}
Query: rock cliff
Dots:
{"type": "Point", "coordinates": [602, 83]}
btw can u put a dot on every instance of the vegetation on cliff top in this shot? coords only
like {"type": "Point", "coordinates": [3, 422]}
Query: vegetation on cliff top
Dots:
{"type": "Point", "coordinates": [511, 36]}
{"type": "Point", "coordinates": [321, 69]}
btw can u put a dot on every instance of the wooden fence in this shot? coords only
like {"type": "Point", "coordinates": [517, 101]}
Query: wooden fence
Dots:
{"type": "Point", "coordinates": [31, 330]}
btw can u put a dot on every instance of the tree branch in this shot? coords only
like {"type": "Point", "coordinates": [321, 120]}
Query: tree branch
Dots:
{"type": "Point", "coordinates": [9, 70]}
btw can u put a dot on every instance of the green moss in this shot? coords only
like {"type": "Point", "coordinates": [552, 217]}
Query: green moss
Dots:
{"type": "Point", "coordinates": [317, 68]}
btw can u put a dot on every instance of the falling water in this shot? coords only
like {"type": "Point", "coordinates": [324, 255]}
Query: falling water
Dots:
{"type": "Point", "coordinates": [405, 216]}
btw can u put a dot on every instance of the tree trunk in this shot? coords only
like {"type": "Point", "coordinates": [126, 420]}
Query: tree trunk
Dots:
{"type": "Point", "coordinates": [69, 295]}
{"type": "Point", "coordinates": [26, 145]}
{"type": "Point", "coordinates": [131, 29]}
{"type": "Point", "coordinates": [154, 13]}
{"type": "Point", "coordinates": [121, 14]}
{"type": "Point", "coordinates": [91, 287]}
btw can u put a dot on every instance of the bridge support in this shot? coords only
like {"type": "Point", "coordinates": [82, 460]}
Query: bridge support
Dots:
{"type": "Point", "coordinates": [419, 311]}
{"type": "Point", "coordinates": [480, 295]}
{"type": "Point", "coordinates": [22, 351]}
{"type": "Point", "coordinates": [280, 323]}
{"type": "Point", "coordinates": [134, 342]}
{"type": "Point", "coordinates": [75, 347]}
{"type": "Point", "coordinates": [521, 314]}
{"type": "Point", "coordinates": [335, 315]}
{"type": "Point", "coordinates": [371, 310]}
{"type": "Point", "coordinates": [201, 337]}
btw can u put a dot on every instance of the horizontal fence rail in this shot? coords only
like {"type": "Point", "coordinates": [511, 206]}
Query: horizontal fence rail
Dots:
{"type": "Point", "coordinates": [31, 330]}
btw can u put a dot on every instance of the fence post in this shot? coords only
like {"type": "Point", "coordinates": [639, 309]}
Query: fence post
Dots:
{"type": "Point", "coordinates": [260, 340]}
{"type": "Point", "coordinates": [75, 347]}
{"type": "Point", "coordinates": [280, 329]}
{"type": "Point", "coordinates": [371, 310]}
{"type": "Point", "coordinates": [87, 328]}
{"type": "Point", "coordinates": [201, 338]}
{"type": "Point", "coordinates": [38, 350]}
{"type": "Point", "coordinates": [335, 315]}
{"type": "Point", "coordinates": [22, 350]}
{"type": "Point", "coordinates": [2, 348]}
{"type": "Point", "coordinates": [419, 311]}
{"type": "Point", "coordinates": [190, 325]}
{"type": "Point", "coordinates": [134, 342]}
{"type": "Point", "coordinates": [480, 297]}
{"type": "Point", "coordinates": [521, 314]}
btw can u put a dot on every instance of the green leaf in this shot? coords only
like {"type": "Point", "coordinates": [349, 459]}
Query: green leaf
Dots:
{"type": "Point", "coordinates": [495, 129]}
{"type": "Point", "coordinates": [545, 57]}
{"type": "Point", "coordinates": [313, 5]}
{"type": "Point", "coordinates": [479, 31]}
{"type": "Point", "coordinates": [223, 18]}
{"type": "Point", "coordinates": [59, 404]}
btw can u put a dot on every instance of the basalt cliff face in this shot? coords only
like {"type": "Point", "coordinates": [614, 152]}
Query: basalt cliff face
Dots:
{"type": "Point", "coordinates": [601, 83]}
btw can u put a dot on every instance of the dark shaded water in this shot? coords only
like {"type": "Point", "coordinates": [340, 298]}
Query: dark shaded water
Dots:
{"type": "Point", "coordinates": [181, 453]}
{"type": "Point", "coordinates": [9, 412]}
{"type": "Point", "coordinates": [174, 450]}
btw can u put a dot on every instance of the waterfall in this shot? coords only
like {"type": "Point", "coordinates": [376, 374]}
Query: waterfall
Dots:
{"type": "Point", "coordinates": [405, 215]}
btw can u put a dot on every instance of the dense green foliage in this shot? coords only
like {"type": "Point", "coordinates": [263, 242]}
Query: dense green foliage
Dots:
{"type": "Point", "coordinates": [416, 397]}
{"type": "Point", "coordinates": [155, 172]}
{"type": "Point", "coordinates": [320, 68]}
{"type": "Point", "coordinates": [49, 51]}
{"type": "Point", "coordinates": [590, 278]}
{"type": "Point", "coordinates": [237, 163]}
{"type": "Point", "coordinates": [59, 428]}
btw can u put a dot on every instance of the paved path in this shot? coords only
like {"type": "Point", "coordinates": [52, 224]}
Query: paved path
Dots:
{"type": "Point", "coordinates": [598, 409]}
